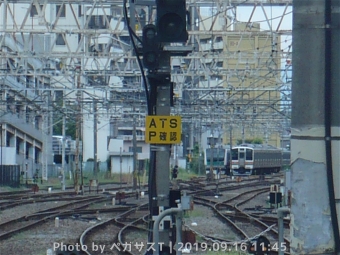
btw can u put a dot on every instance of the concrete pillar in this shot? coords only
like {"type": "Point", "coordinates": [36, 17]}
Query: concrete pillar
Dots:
{"type": "Point", "coordinates": [316, 64]}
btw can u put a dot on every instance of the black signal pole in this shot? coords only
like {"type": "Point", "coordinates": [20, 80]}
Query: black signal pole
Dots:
{"type": "Point", "coordinates": [159, 81]}
{"type": "Point", "coordinates": [170, 27]}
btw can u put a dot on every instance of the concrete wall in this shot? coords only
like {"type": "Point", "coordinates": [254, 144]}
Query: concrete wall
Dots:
{"type": "Point", "coordinates": [88, 138]}
{"type": "Point", "coordinates": [8, 156]}
{"type": "Point", "coordinates": [126, 165]}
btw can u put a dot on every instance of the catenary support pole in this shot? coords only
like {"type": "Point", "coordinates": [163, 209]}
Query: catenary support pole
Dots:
{"type": "Point", "coordinates": [63, 147]}
{"type": "Point", "coordinates": [281, 213]}
{"type": "Point", "coordinates": [134, 145]}
{"type": "Point", "coordinates": [78, 131]}
{"type": "Point", "coordinates": [95, 138]}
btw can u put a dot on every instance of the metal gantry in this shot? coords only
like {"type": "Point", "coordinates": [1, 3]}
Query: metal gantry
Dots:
{"type": "Point", "coordinates": [239, 67]}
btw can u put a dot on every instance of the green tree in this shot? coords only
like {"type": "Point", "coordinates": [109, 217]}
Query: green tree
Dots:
{"type": "Point", "coordinates": [58, 113]}
{"type": "Point", "coordinates": [70, 127]}
{"type": "Point", "coordinates": [255, 140]}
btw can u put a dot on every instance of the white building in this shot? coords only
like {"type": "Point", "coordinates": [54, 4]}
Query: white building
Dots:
{"type": "Point", "coordinates": [121, 149]}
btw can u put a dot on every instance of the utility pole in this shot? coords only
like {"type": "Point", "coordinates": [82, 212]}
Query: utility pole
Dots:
{"type": "Point", "coordinates": [95, 131]}
{"type": "Point", "coordinates": [78, 130]}
{"type": "Point", "coordinates": [242, 123]}
{"type": "Point", "coordinates": [120, 168]}
{"type": "Point", "coordinates": [63, 146]}
{"type": "Point", "coordinates": [199, 145]}
{"type": "Point", "coordinates": [212, 146]}
{"type": "Point", "coordinates": [315, 168]}
{"type": "Point", "coordinates": [191, 142]}
{"type": "Point", "coordinates": [134, 140]}
{"type": "Point", "coordinates": [47, 157]}
{"type": "Point", "coordinates": [231, 145]}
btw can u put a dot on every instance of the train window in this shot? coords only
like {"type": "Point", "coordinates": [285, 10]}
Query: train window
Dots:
{"type": "Point", "coordinates": [249, 154]}
{"type": "Point", "coordinates": [234, 154]}
{"type": "Point", "coordinates": [242, 155]}
{"type": "Point", "coordinates": [221, 155]}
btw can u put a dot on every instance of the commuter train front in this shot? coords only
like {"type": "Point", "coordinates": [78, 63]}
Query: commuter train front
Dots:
{"type": "Point", "coordinates": [255, 159]}
{"type": "Point", "coordinates": [217, 160]}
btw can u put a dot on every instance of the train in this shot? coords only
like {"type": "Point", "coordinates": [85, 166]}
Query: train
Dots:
{"type": "Point", "coordinates": [257, 159]}
{"type": "Point", "coordinates": [245, 160]}
{"type": "Point", "coordinates": [217, 160]}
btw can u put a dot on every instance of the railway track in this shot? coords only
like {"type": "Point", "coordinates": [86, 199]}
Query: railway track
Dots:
{"type": "Point", "coordinates": [12, 199]}
{"type": "Point", "coordinates": [74, 206]}
{"type": "Point", "coordinates": [201, 182]}
{"type": "Point", "coordinates": [121, 241]}
{"type": "Point", "coordinates": [128, 224]}
{"type": "Point", "coordinates": [8, 204]}
{"type": "Point", "coordinates": [244, 225]}
{"type": "Point", "coordinates": [96, 242]}
{"type": "Point", "coordinates": [24, 223]}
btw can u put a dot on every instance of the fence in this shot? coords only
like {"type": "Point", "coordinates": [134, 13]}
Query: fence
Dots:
{"type": "Point", "coordinates": [10, 175]}
{"type": "Point", "coordinates": [55, 170]}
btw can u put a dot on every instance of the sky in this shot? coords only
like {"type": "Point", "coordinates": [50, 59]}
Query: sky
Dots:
{"type": "Point", "coordinates": [274, 15]}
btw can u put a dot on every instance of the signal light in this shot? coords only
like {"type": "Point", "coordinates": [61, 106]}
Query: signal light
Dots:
{"type": "Point", "coordinates": [150, 47]}
{"type": "Point", "coordinates": [171, 21]}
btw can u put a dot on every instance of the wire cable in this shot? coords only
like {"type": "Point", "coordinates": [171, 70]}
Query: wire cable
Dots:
{"type": "Point", "coordinates": [328, 122]}
{"type": "Point", "coordinates": [145, 83]}
{"type": "Point", "coordinates": [152, 166]}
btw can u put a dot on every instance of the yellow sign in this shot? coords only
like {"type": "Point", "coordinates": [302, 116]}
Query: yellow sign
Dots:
{"type": "Point", "coordinates": [163, 129]}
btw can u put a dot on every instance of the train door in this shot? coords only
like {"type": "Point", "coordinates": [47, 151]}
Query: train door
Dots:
{"type": "Point", "coordinates": [250, 160]}
{"type": "Point", "coordinates": [227, 161]}
{"type": "Point", "coordinates": [234, 160]}
{"type": "Point", "coordinates": [241, 157]}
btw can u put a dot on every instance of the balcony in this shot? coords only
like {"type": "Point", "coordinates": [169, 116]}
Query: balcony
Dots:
{"type": "Point", "coordinates": [130, 137]}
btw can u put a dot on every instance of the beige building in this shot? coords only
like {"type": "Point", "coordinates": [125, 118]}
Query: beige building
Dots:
{"type": "Point", "coordinates": [246, 82]}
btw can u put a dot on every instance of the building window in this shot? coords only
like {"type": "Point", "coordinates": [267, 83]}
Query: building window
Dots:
{"type": "Point", "coordinates": [138, 149]}
{"type": "Point", "coordinates": [58, 95]}
{"type": "Point", "coordinates": [79, 11]}
{"type": "Point", "coordinates": [34, 11]}
{"type": "Point", "coordinates": [95, 80]}
{"type": "Point", "coordinates": [98, 21]}
{"type": "Point", "coordinates": [60, 40]}
{"type": "Point", "coordinates": [62, 11]}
